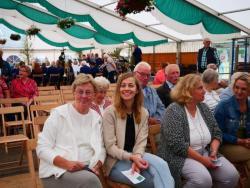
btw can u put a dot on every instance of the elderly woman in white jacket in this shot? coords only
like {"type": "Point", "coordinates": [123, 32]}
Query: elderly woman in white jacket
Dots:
{"type": "Point", "coordinates": [70, 147]}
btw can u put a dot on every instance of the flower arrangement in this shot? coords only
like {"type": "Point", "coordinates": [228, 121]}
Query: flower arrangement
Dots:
{"type": "Point", "coordinates": [2, 41]}
{"type": "Point", "coordinates": [33, 30]}
{"type": "Point", "coordinates": [133, 6]}
{"type": "Point", "coordinates": [66, 23]}
{"type": "Point", "coordinates": [15, 37]}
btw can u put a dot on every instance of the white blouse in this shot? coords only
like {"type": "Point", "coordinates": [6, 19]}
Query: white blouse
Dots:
{"type": "Point", "coordinates": [200, 136]}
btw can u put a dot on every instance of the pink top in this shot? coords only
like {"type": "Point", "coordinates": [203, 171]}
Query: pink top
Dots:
{"type": "Point", "coordinates": [159, 77]}
{"type": "Point", "coordinates": [3, 87]}
{"type": "Point", "coordinates": [96, 107]}
{"type": "Point", "coordinates": [20, 89]}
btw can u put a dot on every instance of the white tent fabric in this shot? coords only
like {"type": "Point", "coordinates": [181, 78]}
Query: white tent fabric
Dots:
{"type": "Point", "coordinates": [190, 29]}
{"type": "Point", "coordinates": [186, 32]}
{"type": "Point", "coordinates": [161, 26]}
{"type": "Point", "coordinates": [110, 23]}
{"type": "Point", "coordinates": [51, 32]}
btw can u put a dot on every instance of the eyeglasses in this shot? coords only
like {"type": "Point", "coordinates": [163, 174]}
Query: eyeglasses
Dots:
{"type": "Point", "coordinates": [81, 92]}
{"type": "Point", "coordinates": [143, 74]}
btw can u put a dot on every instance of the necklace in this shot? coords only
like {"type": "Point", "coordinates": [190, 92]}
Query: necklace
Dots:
{"type": "Point", "coordinates": [198, 127]}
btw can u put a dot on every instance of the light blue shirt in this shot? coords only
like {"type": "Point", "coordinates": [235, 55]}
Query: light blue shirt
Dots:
{"type": "Point", "coordinates": [170, 85]}
{"type": "Point", "coordinates": [153, 103]}
{"type": "Point", "coordinates": [226, 93]}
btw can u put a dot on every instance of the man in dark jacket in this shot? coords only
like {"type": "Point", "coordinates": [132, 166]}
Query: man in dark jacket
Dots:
{"type": "Point", "coordinates": [172, 73]}
{"type": "Point", "coordinates": [137, 54]}
{"type": "Point", "coordinates": [207, 55]}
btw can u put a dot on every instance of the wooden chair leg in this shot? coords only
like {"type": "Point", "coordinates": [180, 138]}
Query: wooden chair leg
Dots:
{"type": "Point", "coordinates": [22, 153]}
{"type": "Point", "coordinates": [31, 163]}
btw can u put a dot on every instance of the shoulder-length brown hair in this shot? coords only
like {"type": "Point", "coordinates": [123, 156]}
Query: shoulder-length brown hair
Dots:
{"type": "Point", "coordinates": [138, 100]}
{"type": "Point", "coordinates": [181, 93]}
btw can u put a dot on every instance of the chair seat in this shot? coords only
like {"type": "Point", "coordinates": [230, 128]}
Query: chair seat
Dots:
{"type": "Point", "coordinates": [113, 184]}
{"type": "Point", "coordinates": [14, 123]}
{"type": "Point", "coordinates": [13, 138]}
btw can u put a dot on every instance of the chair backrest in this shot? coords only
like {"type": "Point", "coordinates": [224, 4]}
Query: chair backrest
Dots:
{"type": "Point", "coordinates": [153, 130]}
{"type": "Point", "coordinates": [38, 79]}
{"type": "Point", "coordinates": [65, 87]}
{"type": "Point", "coordinates": [67, 97]}
{"type": "Point", "coordinates": [39, 114]}
{"type": "Point", "coordinates": [15, 101]}
{"type": "Point", "coordinates": [4, 101]}
{"type": "Point", "coordinates": [13, 110]}
{"type": "Point", "coordinates": [46, 88]}
{"type": "Point", "coordinates": [49, 92]}
{"type": "Point", "coordinates": [49, 99]}
{"type": "Point", "coordinates": [54, 79]}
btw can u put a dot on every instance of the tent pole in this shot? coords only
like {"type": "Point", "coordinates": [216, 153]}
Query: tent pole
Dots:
{"type": "Point", "coordinates": [233, 56]}
{"type": "Point", "coordinates": [154, 69]}
{"type": "Point", "coordinates": [178, 53]}
{"type": "Point", "coordinates": [245, 57]}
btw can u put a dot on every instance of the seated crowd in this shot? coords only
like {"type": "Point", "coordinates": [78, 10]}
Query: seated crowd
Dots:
{"type": "Point", "coordinates": [202, 135]}
{"type": "Point", "coordinates": [193, 135]}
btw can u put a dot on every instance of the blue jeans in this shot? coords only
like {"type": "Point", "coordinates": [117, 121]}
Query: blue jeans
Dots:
{"type": "Point", "coordinates": [157, 175]}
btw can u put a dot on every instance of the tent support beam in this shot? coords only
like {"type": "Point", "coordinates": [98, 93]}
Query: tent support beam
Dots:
{"type": "Point", "coordinates": [178, 53]}
{"type": "Point", "coordinates": [111, 3]}
{"type": "Point", "coordinates": [234, 11]}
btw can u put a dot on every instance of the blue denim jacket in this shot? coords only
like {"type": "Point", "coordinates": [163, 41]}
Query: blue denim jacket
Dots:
{"type": "Point", "coordinates": [227, 115]}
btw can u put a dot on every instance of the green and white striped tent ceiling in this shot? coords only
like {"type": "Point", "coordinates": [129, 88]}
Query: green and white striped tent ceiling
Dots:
{"type": "Point", "coordinates": [97, 24]}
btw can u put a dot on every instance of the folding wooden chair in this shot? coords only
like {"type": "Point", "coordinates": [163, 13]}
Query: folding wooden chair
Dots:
{"type": "Point", "coordinates": [153, 130]}
{"type": "Point", "coordinates": [67, 97]}
{"type": "Point", "coordinates": [16, 102]}
{"type": "Point", "coordinates": [66, 94]}
{"type": "Point", "coordinates": [46, 88]}
{"type": "Point", "coordinates": [54, 79]}
{"type": "Point", "coordinates": [38, 79]}
{"type": "Point", "coordinates": [66, 88]}
{"type": "Point", "coordinates": [49, 92]}
{"type": "Point", "coordinates": [18, 123]}
{"type": "Point", "coordinates": [113, 184]}
{"type": "Point", "coordinates": [38, 117]}
{"type": "Point", "coordinates": [49, 99]}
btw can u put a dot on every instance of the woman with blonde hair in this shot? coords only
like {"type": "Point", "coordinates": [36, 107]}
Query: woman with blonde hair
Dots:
{"type": "Point", "coordinates": [70, 147]}
{"type": "Point", "coordinates": [125, 126]}
{"type": "Point", "coordinates": [233, 117]}
{"type": "Point", "coordinates": [190, 139]}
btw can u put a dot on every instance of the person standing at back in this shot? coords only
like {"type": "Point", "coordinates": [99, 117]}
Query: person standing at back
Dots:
{"type": "Point", "coordinates": [137, 53]}
{"type": "Point", "coordinates": [207, 55]}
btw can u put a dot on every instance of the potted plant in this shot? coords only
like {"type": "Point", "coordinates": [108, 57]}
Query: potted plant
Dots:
{"type": "Point", "coordinates": [2, 41]}
{"type": "Point", "coordinates": [15, 37]}
{"type": "Point", "coordinates": [65, 23]}
{"type": "Point", "coordinates": [32, 31]}
{"type": "Point", "coordinates": [133, 6]}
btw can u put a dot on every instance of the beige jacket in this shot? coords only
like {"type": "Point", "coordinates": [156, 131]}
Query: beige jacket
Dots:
{"type": "Point", "coordinates": [114, 129]}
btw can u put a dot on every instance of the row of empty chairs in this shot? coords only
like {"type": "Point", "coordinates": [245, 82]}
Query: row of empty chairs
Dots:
{"type": "Point", "coordinates": [39, 114]}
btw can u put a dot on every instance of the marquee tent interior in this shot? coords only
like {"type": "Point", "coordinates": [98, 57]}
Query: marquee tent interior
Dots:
{"type": "Point", "coordinates": [98, 25]}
